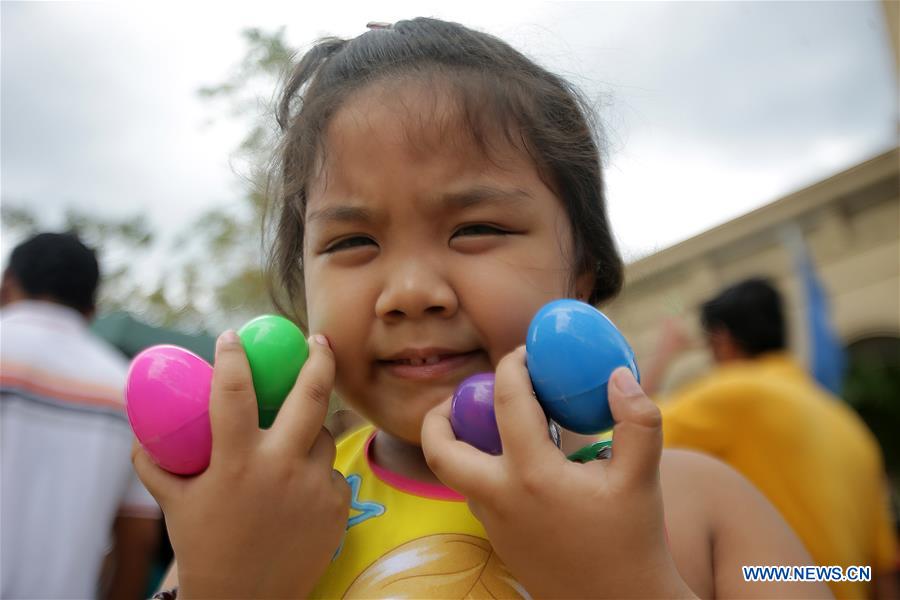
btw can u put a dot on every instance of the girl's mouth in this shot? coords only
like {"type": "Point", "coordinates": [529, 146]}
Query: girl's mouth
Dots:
{"type": "Point", "coordinates": [430, 368]}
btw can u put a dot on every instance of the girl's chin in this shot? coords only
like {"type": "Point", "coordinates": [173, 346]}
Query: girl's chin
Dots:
{"type": "Point", "coordinates": [397, 431]}
{"type": "Point", "coordinates": [398, 440]}
{"type": "Point", "coordinates": [402, 421]}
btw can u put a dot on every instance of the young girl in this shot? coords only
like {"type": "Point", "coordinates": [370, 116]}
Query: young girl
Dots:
{"type": "Point", "coordinates": [436, 188]}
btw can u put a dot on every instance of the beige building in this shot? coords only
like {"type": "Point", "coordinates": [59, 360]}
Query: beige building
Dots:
{"type": "Point", "coordinates": [851, 226]}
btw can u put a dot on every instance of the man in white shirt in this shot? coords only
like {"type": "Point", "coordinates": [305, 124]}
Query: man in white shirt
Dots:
{"type": "Point", "coordinates": [69, 494]}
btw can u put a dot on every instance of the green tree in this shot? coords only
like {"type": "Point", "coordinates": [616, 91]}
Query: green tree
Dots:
{"type": "Point", "coordinates": [235, 237]}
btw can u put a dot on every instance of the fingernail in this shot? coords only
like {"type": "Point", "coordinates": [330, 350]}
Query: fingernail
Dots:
{"type": "Point", "coordinates": [321, 340]}
{"type": "Point", "coordinates": [627, 384]}
{"type": "Point", "coordinates": [227, 338]}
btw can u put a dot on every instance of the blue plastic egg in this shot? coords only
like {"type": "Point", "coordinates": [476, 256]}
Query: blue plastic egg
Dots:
{"type": "Point", "coordinates": [572, 350]}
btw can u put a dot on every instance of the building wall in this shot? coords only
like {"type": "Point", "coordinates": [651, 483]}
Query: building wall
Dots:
{"type": "Point", "coordinates": [892, 18]}
{"type": "Point", "coordinates": [850, 224]}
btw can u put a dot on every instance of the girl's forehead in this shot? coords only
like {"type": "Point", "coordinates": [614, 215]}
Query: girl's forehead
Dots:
{"type": "Point", "coordinates": [414, 123]}
{"type": "Point", "coordinates": [399, 146]}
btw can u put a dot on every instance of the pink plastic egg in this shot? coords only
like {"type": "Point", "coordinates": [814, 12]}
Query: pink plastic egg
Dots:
{"type": "Point", "coordinates": [167, 400]}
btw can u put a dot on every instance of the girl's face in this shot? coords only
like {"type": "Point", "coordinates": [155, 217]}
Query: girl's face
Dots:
{"type": "Point", "coordinates": [424, 259]}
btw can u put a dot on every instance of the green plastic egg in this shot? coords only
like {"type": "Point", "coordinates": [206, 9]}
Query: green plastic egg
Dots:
{"type": "Point", "coordinates": [276, 350]}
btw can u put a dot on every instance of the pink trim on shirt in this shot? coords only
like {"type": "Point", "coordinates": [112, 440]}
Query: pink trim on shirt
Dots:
{"type": "Point", "coordinates": [410, 486]}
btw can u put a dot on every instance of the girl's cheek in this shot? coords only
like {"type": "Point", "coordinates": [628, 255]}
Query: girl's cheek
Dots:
{"type": "Point", "coordinates": [501, 315]}
{"type": "Point", "coordinates": [322, 300]}
{"type": "Point", "coordinates": [504, 312]}
{"type": "Point", "coordinates": [337, 309]}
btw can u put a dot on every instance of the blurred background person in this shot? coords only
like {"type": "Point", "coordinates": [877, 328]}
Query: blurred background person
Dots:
{"type": "Point", "coordinates": [761, 412]}
{"type": "Point", "coordinates": [69, 494]}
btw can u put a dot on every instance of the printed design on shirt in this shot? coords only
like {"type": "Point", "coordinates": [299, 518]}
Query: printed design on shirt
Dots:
{"type": "Point", "coordinates": [447, 565]}
{"type": "Point", "coordinates": [367, 509]}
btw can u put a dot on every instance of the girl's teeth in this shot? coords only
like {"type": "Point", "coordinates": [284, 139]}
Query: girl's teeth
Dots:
{"type": "Point", "coordinates": [418, 362]}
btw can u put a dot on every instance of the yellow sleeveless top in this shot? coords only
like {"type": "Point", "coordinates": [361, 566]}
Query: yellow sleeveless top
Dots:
{"type": "Point", "coordinates": [407, 539]}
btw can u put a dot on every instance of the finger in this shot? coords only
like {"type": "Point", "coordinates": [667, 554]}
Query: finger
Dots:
{"type": "Point", "coordinates": [233, 411]}
{"type": "Point", "coordinates": [457, 464]}
{"type": "Point", "coordinates": [161, 484]}
{"type": "Point", "coordinates": [304, 410]}
{"type": "Point", "coordinates": [637, 434]}
{"type": "Point", "coordinates": [342, 485]}
{"type": "Point", "coordinates": [324, 449]}
{"type": "Point", "coordinates": [520, 419]}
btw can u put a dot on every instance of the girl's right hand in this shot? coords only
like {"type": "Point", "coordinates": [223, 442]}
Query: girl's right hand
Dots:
{"type": "Point", "coordinates": [564, 529]}
{"type": "Point", "coordinates": [267, 515]}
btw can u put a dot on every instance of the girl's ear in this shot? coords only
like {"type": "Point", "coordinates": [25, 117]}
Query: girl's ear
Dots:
{"type": "Point", "coordinates": [584, 285]}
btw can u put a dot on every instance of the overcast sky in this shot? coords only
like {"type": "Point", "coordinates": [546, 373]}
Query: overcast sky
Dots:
{"type": "Point", "coordinates": [709, 109]}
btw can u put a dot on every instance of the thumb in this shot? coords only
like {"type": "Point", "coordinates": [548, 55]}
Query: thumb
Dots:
{"type": "Point", "coordinates": [161, 484]}
{"type": "Point", "coordinates": [303, 413]}
{"type": "Point", "coordinates": [637, 434]}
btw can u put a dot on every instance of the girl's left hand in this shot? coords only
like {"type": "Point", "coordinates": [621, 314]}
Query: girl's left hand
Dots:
{"type": "Point", "coordinates": [565, 529]}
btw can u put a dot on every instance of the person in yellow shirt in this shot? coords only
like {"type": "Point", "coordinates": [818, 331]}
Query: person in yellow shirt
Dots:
{"type": "Point", "coordinates": [810, 454]}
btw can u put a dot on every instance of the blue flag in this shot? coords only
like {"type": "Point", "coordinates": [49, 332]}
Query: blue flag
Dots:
{"type": "Point", "coordinates": [827, 360]}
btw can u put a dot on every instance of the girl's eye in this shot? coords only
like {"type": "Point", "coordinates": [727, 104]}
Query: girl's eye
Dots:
{"type": "Point", "coordinates": [351, 242]}
{"type": "Point", "coordinates": [473, 230]}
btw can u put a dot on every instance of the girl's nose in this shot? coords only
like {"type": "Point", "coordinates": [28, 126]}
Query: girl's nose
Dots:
{"type": "Point", "coordinates": [414, 289]}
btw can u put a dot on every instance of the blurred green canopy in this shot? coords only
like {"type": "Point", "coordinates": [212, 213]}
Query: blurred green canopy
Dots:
{"type": "Point", "coordinates": [131, 335]}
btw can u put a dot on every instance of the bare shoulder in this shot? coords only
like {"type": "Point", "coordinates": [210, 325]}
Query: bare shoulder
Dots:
{"type": "Point", "coordinates": [730, 504]}
{"type": "Point", "coordinates": [701, 476]}
{"type": "Point", "coordinates": [714, 514]}
{"type": "Point", "coordinates": [688, 462]}
{"type": "Point", "coordinates": [689, 525]}
{"type": "Point", "coordinates": [730, 501]}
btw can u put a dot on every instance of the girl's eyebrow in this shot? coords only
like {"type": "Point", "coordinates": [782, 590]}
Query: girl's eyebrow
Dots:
{"type": "Point", "coordinates": [479, 195]}
{"type": "Point", "coordinates": [484, 195]}
{"type": "Point", "coordinates": [342, 214]}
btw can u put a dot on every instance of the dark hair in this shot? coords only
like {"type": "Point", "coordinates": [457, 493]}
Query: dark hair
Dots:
{"type": "Point", "coordinates": [751, 311]}
{"type": "Point", "coordinates": [499, 90]}
{"type": "Point", "coordinates": [57, 266]}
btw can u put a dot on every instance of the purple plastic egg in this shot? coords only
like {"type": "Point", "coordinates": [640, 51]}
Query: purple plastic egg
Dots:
{"type": "Point", "coordinates": [472, 413]}
{"type": "Point", "coordinates": [167, 400]}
